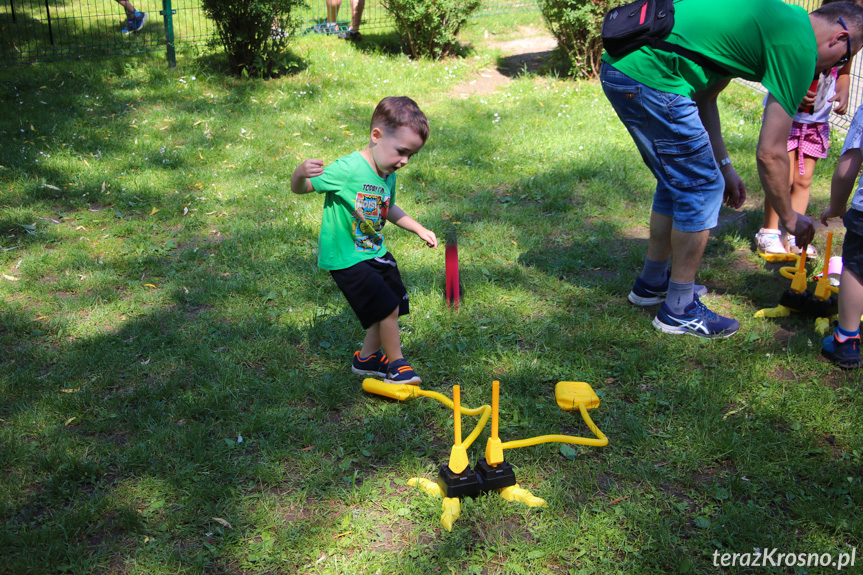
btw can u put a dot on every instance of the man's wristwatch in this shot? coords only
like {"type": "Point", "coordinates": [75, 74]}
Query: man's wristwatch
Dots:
{"type": "Point", "coordinates": [724, 162]}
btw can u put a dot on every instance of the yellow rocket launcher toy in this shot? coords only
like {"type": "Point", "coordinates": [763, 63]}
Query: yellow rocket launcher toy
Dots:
{"type": "Point", "coordinates": [491, 474]}
{"type": "Point", "coordinates": [819, 304]}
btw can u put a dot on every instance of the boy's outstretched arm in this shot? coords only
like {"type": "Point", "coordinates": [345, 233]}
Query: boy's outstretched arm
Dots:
{"type": "Point", "coordinates": [300, 183]}
{"type": "Point", "coordinates": [842, 184]}
{"type": "Point", "coordinates": [398, 217]}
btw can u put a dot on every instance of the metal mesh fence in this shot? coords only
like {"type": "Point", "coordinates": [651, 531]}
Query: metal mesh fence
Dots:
{"type": "Point", "coordinates": [33, 30]}
{"type": "Point", "coordinates": [42, 30]}
{"type": "Point", "coordinates": [375, 16]}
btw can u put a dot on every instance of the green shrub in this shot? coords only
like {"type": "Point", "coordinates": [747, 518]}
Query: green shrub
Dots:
{"type": "Point", "coordinates": [576, 25]}
{"type": "Point", "coordinates": [254, 33]}
{"type": "Point", "coordinates": [429, 28]}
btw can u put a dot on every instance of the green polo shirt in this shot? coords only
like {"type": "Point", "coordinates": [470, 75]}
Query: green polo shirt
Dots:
{"type": "Point", "coordinates": [764, 41]}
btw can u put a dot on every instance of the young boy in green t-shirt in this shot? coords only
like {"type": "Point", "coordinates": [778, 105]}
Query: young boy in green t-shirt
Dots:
{"type": "Point", "coordinates": [359, 199]}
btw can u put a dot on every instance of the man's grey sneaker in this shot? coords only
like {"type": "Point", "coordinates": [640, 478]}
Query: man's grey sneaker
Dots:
{"type": "Point", "coordinates": [350, 35]}
{"type": "Point", "coordinates": [375, 364]}
{"type": "Point", "coordinates": [845, 354]}
{"type": "Point", "coordinates": [135, 24]}
{"type": "Point", "coordinates": [695, 320]}
{"type": "Point", "coordinates": [400, 372]}
{"type": "Point", "coordinates": [644, 294]}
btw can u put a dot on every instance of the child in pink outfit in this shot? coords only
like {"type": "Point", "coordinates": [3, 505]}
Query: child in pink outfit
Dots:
{"type": "Point", "coordinates": [808, 142]}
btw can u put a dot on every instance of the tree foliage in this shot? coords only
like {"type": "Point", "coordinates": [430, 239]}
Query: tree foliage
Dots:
{"type": "Point", "coordinates": [429, 28]}
{"type": "Point", "coordinates": [255, 33]}
{"type": "Point", "coordinates": [576, 24]}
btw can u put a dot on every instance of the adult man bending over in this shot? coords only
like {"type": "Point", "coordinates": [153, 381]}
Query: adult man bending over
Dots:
{"type": "Point", "coordinates": [668, 104]}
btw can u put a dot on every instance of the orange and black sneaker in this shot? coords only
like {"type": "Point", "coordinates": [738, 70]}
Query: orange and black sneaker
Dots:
{"type": "Point", "coordinates": [375, 364]}
{"type": "Point", "coordinates": [399, 371]}
{"type": "Point", "coordinates": [846, 354]}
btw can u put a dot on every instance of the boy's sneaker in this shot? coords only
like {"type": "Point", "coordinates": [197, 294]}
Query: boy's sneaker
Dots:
{"type": "Point", "coordinates": [811, 252]}
{"type": "Point", "coordinates": [644, 294]}
{"type": "Point", "coordinates": [844, 353]}
{"type": "Point", "coordinates": [695, 320]}
{"type": "Point", "coordinates": [400, 372]}
{"type": "Point", "coordinates": [135, 24]}
{"type": "Point", "coordinates": [375, 364]}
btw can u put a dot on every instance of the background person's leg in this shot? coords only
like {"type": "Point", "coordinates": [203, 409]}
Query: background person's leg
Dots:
{"type": "Point", "coordinates": [127, 6]}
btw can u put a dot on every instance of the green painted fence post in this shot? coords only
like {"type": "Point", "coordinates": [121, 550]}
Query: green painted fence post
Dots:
{"type": "Point", "coordinates": [168, 13]}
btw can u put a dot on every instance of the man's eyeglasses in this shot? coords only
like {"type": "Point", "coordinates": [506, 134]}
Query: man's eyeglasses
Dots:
{"type": "Point", "coordinates": [847, 57]}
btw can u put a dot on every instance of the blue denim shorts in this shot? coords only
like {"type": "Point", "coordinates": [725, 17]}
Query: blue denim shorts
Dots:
{"type": "Point", "coordinates": [674, 145]}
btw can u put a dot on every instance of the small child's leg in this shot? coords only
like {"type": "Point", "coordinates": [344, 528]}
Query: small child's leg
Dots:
{"type": "Point", "coordinates": [389, 336]}
{"type": "Point", "coordinates": [843, 345]}
{"type": "Point", "coordinates": [372, 341]}
{"type": "Point", "coordinates": [127, 6]}
{"type": "Point", "coordinates": [850, 301]}
{"type": "Point", "coordinates": [369, 360]}
{"type": "Point", "coordinates": [399, 370]}
{"type": "Point", "coordinates": [801, 185]}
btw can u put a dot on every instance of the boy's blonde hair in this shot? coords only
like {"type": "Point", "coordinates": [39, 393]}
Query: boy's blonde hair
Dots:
{"type": "Point", "coordinates": [394, 112]}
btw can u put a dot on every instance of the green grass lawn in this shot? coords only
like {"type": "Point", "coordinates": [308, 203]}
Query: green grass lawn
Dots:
{"type": "Point", "coordinates": [161, 300]}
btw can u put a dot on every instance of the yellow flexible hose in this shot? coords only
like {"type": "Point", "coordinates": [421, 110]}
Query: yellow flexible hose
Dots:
{"type": "Point", "coordinates": [600, 441]}
{"type": "Point", "coordinates": [403, 392]}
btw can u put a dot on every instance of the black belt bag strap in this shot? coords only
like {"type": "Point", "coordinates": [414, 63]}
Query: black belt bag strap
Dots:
{"type": "Point", "coordinates": [647, 23]}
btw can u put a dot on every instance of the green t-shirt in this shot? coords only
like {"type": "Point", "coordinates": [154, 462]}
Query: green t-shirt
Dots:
{"type": "Point", "coordinates": [356, 203]}
{"type": "Point", "coordinates": [764, 41]}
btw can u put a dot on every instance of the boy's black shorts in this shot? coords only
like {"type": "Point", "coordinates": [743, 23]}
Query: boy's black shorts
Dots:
{"type": "Point", "coordinates": [852, 246]}
{"type": "Point", "coordinates": [373, 288]}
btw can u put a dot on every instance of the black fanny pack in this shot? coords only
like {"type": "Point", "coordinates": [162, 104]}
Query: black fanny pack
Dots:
{"type": "Point", "coordinates": [628, 27]}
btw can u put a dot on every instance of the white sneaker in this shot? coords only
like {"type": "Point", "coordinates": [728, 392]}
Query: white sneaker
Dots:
{"type": "Point", "coordinates": [770, 246]}
{"type": "Point", "coordinates": [811, 252]}
{"type": "Point", "coordinates": [770, 241]}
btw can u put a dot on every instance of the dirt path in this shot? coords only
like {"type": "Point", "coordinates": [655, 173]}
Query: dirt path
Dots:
{"type": "Point", "coordinates": [521, 55]}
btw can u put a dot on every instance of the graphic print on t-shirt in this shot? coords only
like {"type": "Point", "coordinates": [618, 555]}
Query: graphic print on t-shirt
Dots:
{"type": "Point", "coordinates": [370, 216]}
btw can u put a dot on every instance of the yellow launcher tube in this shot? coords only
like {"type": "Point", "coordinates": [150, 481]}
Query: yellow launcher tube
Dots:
{"type": "Point", "coordinates": [827, 253]}
{"type": "Point", "coordinates": [796, 275]}
{"type": "Point", "coordinates": [823, 289]}
{"type": "Point", "coordinates": [495, 392]}
{"type": "Point", "coordinates": [456, 399]}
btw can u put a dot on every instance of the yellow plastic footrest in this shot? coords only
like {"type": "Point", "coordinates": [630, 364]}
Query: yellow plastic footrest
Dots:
{"type": "Point", "coordinates": [773, 258]}
{"type": "Point", "coordinates": [570, 393]}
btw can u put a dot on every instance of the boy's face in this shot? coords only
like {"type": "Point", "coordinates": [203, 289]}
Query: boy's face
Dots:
{"type": "Point", "coordinates": [393, 149]}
